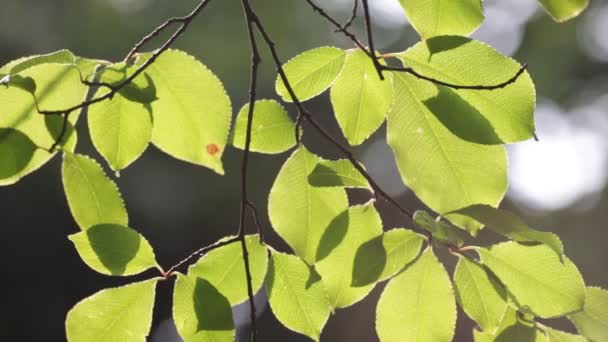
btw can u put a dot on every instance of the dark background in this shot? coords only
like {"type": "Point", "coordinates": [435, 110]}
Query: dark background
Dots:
{"type": "Point", "coordinates": [558, 184]}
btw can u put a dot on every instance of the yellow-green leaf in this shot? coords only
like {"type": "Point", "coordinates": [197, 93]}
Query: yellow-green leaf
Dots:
{"type": "Point", "coordinates": [337, 252]}
{"type": "Point", "coordinates": [359, 98]}
{"type": "Point", "coordinates": [592, 322]}
{"type": "Point", "coordinates": [537, 278]}
{"type": "Point", "coordinates": [447, 17]}
{"type": "Point", "coordinates": [311, 73]}
{"type": "Point", "coordinates": [112, 315]}
{"type": "Point", "coordinates": [193, 112]}
{"type": "Point", "coordinates": [495, 116]}
{"type": "Point", "coordinates": [562, 10]}
{"type": "Point", "coordinates": [272, 130]}
{"type": "Point", "coordinates": [200, 312]}
{"type": "Point", "coordinates": [418, 304]}
{"type": "Point", "coordinates": [445, 172]}
{"type": "Point", "coordinates": [93, 198]}
{"type": "Point", "coordinates": [114, 250]}
{"type": "Point", "coordinates": [225, 270]}
{"type": "Point", "coordinates": [296, 295]}
{"type": "Point", "coordinates": [300, 212]}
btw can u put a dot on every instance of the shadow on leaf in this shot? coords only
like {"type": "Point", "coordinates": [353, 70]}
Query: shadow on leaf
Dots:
{"type": "Point", "coordinates": [16, 151]}
{"type": "Point", "coordinates": [114, 245]}
{"type": "Point", "coordinates": [370, 261]}
{"type": "Point", "coordinates": [461, 118]}
{"type": "Point", "coordinates": [212, 309]}
{"type": "Point", "coordinates": [333, 235]}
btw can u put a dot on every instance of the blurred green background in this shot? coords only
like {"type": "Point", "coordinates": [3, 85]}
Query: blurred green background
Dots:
{"type": "Point", "coordinates": [558, 184]}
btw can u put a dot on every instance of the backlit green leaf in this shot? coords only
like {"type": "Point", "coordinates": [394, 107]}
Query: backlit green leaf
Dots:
{"type": "Point", "coordinates": [111, 315]}
{"type": "Point", "coordinates": [114, 250]}
{"type": "Point", "coordinates": [484, 116]}
{"type": "Point", "coordinates": [192, 114]}
{"type": "Point", "coordinates": [592, 322]}
{"type": "Point", "coordinates": [337, 253]}
{"type": "Point", "coordinates": [440, 230]}
{"type": "Point", "coordinates": [562, 336]}
{"type": "Point", "coordinates": [337, 173]}
{"type": "Point", "coordinates": [25, 135]}
{"type": "Point", "coordinates": [480, 295]}
{"type": "Point", "coordinates": [299, 212]}
{"type": "Point", "coordinates": [296, 295]}
{"type": "Point", "coordinates": [436, 18]}
{"type": "Point", "coordinates": [272, 130]}
{"type": "Point", "coordinates": [445, 172]}
{"type": "Point", "coordinates": [120, 128]}
{"type": "Point", "coordinates": [311, 73]}
{"type": "Point", "coordinates": [200, 312]}
{"type": "Point", "coordinates": [537, 278]}
{"type": "Point", "coordinates": [418, 304]}
{"type": "Point", "coordinates": [383, 256]}
{"type": "Point", "coordinates": [93, 198]}
{"type": "Point", "coordinates": [359, 98]}
{"type": "Point", "coordinates": [225, 270]}
{"type": "Point", "coordinates": [562, 10]}
{"type": "Point", "coordinates": [511, 226]}
{"type": "Point", "coordinates": [512, 328]}
{"type": "Point", "coordinates": [57, 57]}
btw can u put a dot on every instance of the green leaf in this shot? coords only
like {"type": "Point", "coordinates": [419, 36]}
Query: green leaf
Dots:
{"type": "Point", "coordinates": [192, 114]}
{"type": "Point", "coordinates": [311, 73]}
{"type": "Point", "coordinates": [120, 128]}
{"type": "Point", "coordinates": [436, 18]}
{"type": "Point", "coordinates": [299, 212]}
{"type": "Point", "coordinates": [418, 304]}
{"type": "Point", "coordinates": [480, 295]}
{"type": "Point", "coordinates": [338, 249]}
{"type": "Point", "coordinates": [592, 322]}
{"type": "Point", "coordinates": [561, 336]}
{"type": "Point", "coordinates": [445, 172]}
{"type": "Point", "coordinates": [563, 10]}
{"type": "Point", "coordinates": [200, 312]}
{"type": "Point", "coordinates": [25, 135]}
{"type": "Point", "coordinates": [509, 318]}
{"type": "Point", "coordinates": [511, 226]}
{"type": "Point", "coordinates": [114, 250]}
{"type": "Point", "coordinates": [359, 98]}
{"type": "Point", "coordinates": [225, 270]}
{"type": "Point", "coordinates": [57, 57]}
{"type": "Point", "coordinates": [441, 231]}
{"type": "Point", "coordinates": [117, 314]}
{"type": "Point", "coordinates": [483, 116]}
{"type": "Point", "coordinates": [296, 295]}
{"type": "Point", "coordinates": [272, 130]}
{"type": "Point", "coordinates": [383, 256]}
{"type": "Point", "coordinates": [337, 173]}
{"type": "Point", "coordinates": [511, 328]}
{"type": "Point", "coordinates": [93, 198]}
{"type": "Point", "coordinates": [537, 278]}
{"type": "Point", "coordinates": [142, 89]}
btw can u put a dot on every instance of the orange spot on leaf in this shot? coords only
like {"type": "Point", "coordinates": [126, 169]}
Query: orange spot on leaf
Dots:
{"type": "Point", "coordinates": [213, 149]}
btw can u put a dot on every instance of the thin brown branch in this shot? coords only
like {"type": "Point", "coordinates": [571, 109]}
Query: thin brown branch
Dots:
{"type": "Point", "coordinates": [380, 67]}
{"type": "Point", "coordinates": [256, 219]}
{"type": "Point", "coordinates": [113, 89]}
{"type": "Point", "coordinates": [255, 62]}
{"type": "Point", "coordinates": [352, 18]}
{"type": "Point", "coordinates": [303, 112]}
{"type": "Point", "coordinates": [457, 86]}
{"type": "Point", "coordinates": [370, 39]}
{"type": "Point", "coordinates": [197, 254]}
{"type": "Point", "coordinates": [339, 27]}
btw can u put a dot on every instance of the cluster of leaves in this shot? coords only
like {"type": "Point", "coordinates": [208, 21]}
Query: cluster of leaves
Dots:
{"type": "Point", "coordinates": [448, 143]}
